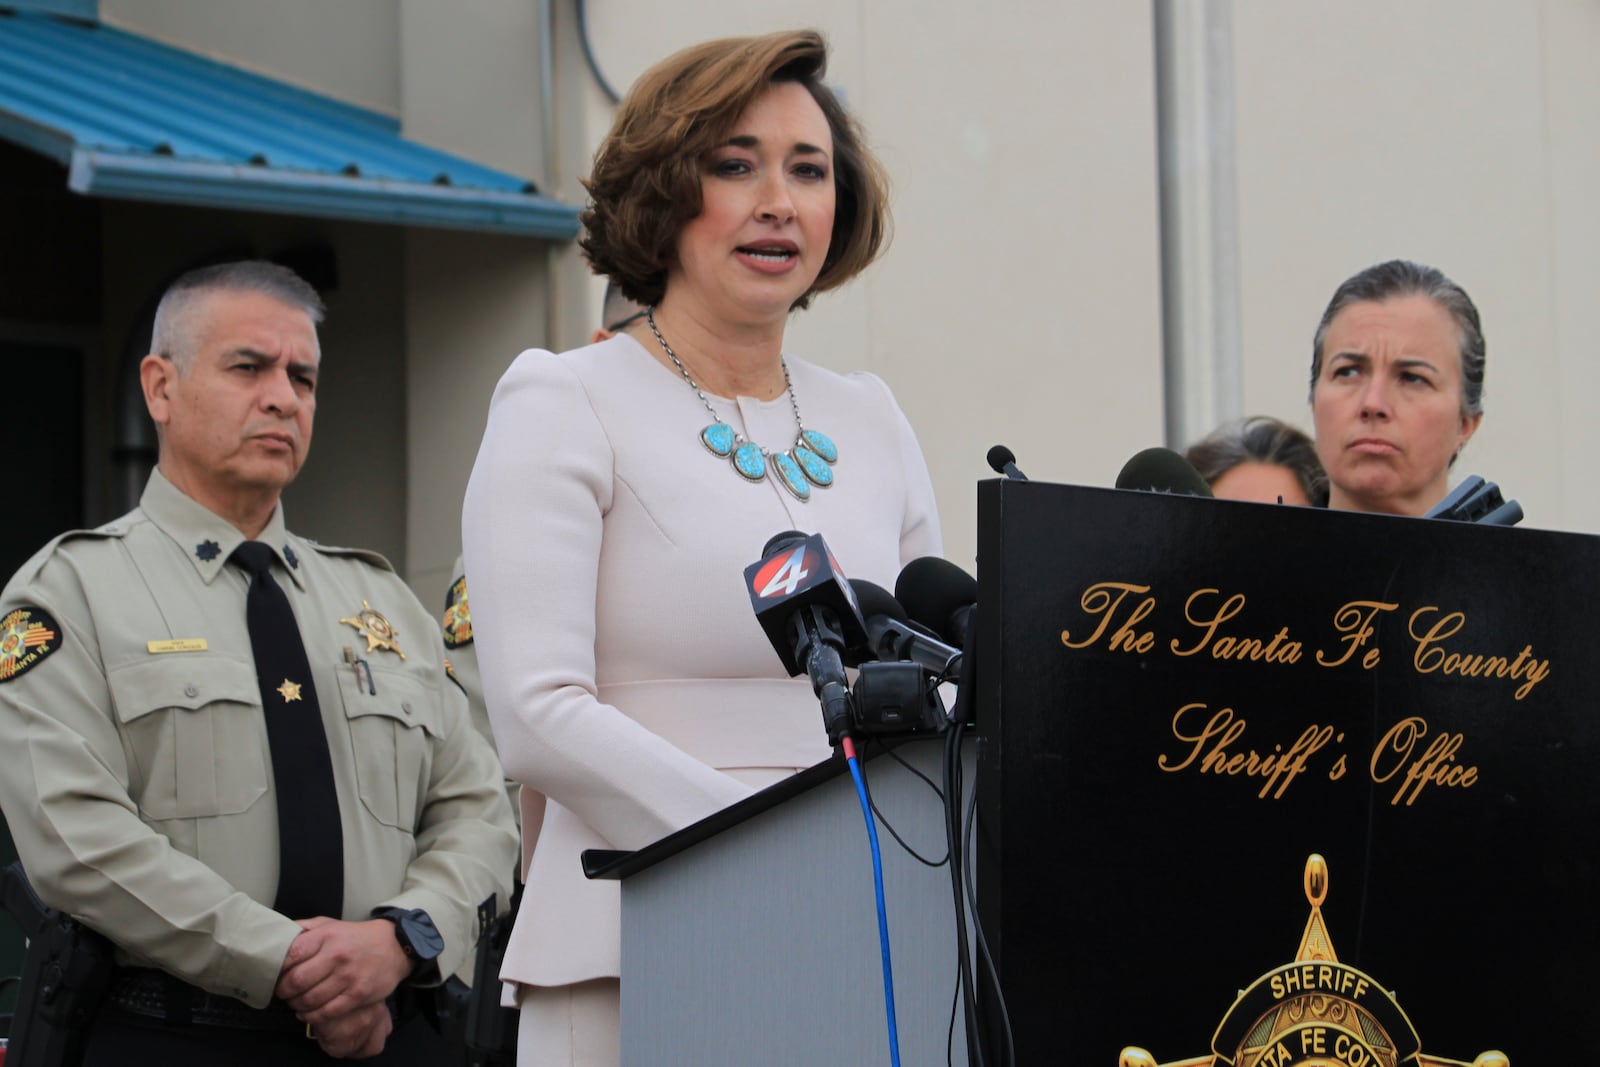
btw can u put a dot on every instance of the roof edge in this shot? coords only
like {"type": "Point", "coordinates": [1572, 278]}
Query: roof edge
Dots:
{"type": "Point", "coordinates": [276, 191]}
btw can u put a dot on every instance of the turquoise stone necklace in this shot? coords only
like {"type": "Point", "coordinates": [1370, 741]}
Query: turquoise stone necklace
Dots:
{"type": "Point", "coordinates": [809, 462]}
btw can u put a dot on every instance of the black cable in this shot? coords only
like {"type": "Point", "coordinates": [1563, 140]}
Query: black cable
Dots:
{"type": "Point", "coordinates": [952, 826]}
{"type": "Point", "coordinates": [887, 825]}
{"type": "Point", "coordinates": [983, 945]}
{"type": "Point", "coordinates": [959, 716]}
{"type": "Point", "coordinates": [892, 751]}
{"type": "Point", "coordinates": [588, 53]}
{"type": "Point", "coordinates": [950, 1031]}
{"type": "Point", "coordinates": [913, 853]}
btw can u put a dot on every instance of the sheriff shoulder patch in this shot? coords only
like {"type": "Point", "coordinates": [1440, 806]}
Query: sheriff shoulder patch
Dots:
{"type": "Point", "coordinates": [27, 636]}
{"type": "Point", "coordinates": [457, 616]}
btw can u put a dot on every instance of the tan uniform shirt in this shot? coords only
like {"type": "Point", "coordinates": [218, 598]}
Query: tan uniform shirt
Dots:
{"type": "Point", "coordinates": [138, 779]}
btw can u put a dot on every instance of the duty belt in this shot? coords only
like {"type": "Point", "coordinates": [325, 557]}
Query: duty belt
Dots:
{"type": "Point", "coordinates": [153, 994]}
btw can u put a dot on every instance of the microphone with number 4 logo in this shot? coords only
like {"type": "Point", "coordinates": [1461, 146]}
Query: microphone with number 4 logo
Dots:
{"type": "Point", "coordinates": [809, 612]}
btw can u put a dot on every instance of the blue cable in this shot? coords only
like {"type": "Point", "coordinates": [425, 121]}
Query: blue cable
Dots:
{"type": "Point", "coordinates": [883, 918]}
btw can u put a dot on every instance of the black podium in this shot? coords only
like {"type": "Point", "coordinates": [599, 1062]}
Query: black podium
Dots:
{"type": "Point", "coordinates": [1182, 701]}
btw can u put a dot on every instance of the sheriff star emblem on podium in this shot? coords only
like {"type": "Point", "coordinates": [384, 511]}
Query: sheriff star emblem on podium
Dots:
{"type": "Point", "coordinates": [376, 629]}
{"type": "Point", "coordinates": [1314, 1012]}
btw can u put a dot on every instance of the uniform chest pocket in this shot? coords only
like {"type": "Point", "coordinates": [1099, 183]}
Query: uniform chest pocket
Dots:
{"type": "Point", "coordinates": [192, 725]}
{"type": "Point", "coordinates": [392, 733]}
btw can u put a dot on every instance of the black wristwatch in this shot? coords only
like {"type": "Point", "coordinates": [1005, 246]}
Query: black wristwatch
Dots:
{"type": "Point", "coordinates": [419, 939]}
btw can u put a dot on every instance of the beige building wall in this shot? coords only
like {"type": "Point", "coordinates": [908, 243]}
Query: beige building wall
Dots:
{"type": "Point", "coordinates": [353, 488]}
{"type": "Point", "coordinates": [472, 303]}
{"type": "Point", "coordinates": [349, 49]}
{"type": "Point", "coordinates": [1571, 86]}
{"type": "Point", "coordinates": [1021, 299]}
{"type": "Point", "coordinates": [1460, 133]}
{"type": "Point", "coordinates": [470, 80]}
{"type": "Point", "coordinates": [440, 313]}
{"type": "Point", "coordinates": [471, 85]}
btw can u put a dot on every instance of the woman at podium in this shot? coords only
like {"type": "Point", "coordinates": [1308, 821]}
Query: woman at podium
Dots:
{"type": "Point", "coordinates": [1396, 387]}
{"type": "Point", "coordinates": [621, 488]}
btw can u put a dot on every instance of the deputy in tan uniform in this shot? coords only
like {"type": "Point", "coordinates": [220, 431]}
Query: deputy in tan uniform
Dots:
{"type": "Point", "coordinates": [140, 777]}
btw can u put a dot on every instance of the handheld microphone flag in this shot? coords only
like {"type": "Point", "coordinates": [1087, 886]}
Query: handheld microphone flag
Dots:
{"type": "Point", "coordinates": [808, 610]}
{"type": "Point", "coordinates": [798, 571]}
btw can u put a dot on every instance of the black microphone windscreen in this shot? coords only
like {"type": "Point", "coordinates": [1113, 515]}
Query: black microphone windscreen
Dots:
{"type": "Point", "coordinates": [874, 599]}
{"type": "Point", "coordinates": [999, 456]}
{"type": "Point", "coordinates": [779, 541]}
{"type": "Point", "coordinates": [1162, 470]}
{"type": "Point", "coordinates": [933, 589]}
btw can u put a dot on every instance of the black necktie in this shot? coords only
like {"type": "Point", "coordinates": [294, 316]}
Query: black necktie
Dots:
{"type": "Point", "coordinates": [310, 837]}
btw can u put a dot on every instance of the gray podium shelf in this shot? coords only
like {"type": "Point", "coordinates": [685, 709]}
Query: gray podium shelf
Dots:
{"type": "Point", "coordinates": [751, 937]}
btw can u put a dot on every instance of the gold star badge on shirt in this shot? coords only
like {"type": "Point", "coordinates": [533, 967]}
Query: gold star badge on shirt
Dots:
{"type": "Point", "coordinates": [376, 629]}
{"type": "Point", "coordinates": [290, 691]}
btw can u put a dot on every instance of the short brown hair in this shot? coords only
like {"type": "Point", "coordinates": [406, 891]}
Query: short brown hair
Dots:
{"type": "Point", "coordinates": [646, 179]}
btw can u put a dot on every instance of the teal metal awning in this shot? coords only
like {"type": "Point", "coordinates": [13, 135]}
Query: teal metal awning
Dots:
{"type": "Point", "coordinates": [134, 119]}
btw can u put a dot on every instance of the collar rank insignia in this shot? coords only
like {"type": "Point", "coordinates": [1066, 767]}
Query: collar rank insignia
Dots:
{"type": "Point", "coordinates": [288, 554]}
{"type": "Point", "coordinates": [27, 636]}
{"type": "Point", "coordinates": [207, 550]}
{"type": "Point", "coordinates": [1314, 1012]}
{"type": "Point", "coordinates": [376, 629]}
{"type": "Point", "coordinates": [457, 616]}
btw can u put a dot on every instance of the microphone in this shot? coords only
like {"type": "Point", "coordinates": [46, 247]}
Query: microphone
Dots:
{"type": "Point", "coordinates": [896, 693]}
{"type": "Point", "coordinates": [1507, 514]}
{"type": "Point", "coordinates": [893, 637]}
{"type": "Point", "coordinates": [804, 603]}
{"type": "Point", "coordinates": [939, 595]}
{"type": "Point", "coordinates": [1161, 470]}
{"type": "Point", "coordinates": [1476, 500]}
{"type": "Point", "coordinates": [1450, 506]}
{"type": "Point", "coordinates": [1004, 462]}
